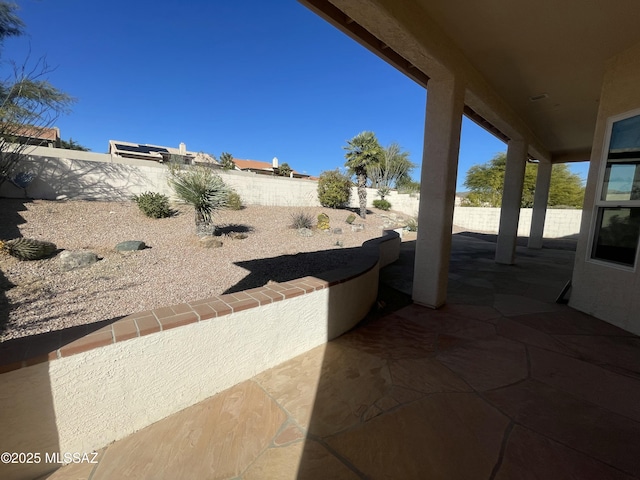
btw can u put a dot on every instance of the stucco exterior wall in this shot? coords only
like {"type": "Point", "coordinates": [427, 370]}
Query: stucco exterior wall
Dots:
{"type": "Point", "coordinates": [67, 174]}
{"type": "Point", "coordinates": [70, 174]}
{"type": "Point", "coordinates": [606, 291]}
{"type": "Point", "coordinates": [82, 402]}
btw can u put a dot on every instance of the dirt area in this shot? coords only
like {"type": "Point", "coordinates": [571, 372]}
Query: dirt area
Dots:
{"type": "Point", "coordinates": [38, 296]}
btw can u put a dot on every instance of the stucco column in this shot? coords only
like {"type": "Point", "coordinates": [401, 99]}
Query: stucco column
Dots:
{"type": "Point", "coordinates": [511, 199]}
{"type": "Point", "coordinates": [445, 104]}
{"type": "Point", "coordinates": [540, 199]}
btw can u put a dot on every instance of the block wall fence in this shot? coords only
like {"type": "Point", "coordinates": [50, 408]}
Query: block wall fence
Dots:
{"type": "Point", "coordinates": [68, 174]}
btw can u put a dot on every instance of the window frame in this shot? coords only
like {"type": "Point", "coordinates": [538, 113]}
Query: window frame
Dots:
{"type": "Point", "coordinates": [599, 204]}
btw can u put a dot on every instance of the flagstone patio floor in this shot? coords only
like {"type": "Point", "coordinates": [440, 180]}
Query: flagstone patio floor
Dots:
{"type": "Point", "coordinates": [502, 383]}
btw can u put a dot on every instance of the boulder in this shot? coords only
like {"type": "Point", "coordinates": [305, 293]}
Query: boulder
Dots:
{"type": "Point", "coordinates": [209, 241]}
{"type": "Point", "coordinates": [70, 260]}
{"type": "Point", "coordinates": [305, 232]}
{"type": "Point", "coordinates": [357, 227]}
{"type": "Point", "coordinates": [130, 245]}
{"type": "Point", "coordinates": [237, 235]}
{"type": "Point", "coordinates": [337, 231]}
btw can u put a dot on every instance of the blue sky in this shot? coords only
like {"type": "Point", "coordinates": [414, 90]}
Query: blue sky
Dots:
{"type": "Point", "coordinates": [254, 78]}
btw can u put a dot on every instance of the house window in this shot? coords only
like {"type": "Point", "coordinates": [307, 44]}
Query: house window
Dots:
{"type": "Point", "coordinates": [617, 226]}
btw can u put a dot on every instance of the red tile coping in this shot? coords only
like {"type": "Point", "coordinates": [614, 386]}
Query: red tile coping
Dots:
{"type": "Point", "coordinates": [41, 348]}
{"type": "Point", "coordinates": [26, 351]}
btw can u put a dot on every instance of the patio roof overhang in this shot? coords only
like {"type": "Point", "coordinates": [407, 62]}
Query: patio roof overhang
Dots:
{"type": "Point", "coordinates": [531, 70]}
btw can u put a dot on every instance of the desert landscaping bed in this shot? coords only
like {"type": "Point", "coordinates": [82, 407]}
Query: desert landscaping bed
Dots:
{"type": "Point", "coordinates": [38, 296]}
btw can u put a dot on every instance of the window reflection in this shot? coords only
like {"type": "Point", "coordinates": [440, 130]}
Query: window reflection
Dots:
{"type": "Point", "coordinates": [617, 234]}
{"type": "Point", "coordinates": [621, 182]}
{"type": "Point", "coordinates": [625, 136]}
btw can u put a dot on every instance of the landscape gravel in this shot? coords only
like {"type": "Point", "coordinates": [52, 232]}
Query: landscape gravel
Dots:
{"type": "Point", "coordinates": [38, 296]}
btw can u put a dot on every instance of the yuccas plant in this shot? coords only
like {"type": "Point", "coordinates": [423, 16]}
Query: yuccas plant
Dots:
{"type": "Point", "coordinates": [201, 187]}
{"type": "Point", "coordinates": [27, 248]}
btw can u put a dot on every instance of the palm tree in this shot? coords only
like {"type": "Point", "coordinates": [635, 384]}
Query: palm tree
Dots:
{"type": "Point", "coordinates": [363, 150]}
{"type": "Point", "coordinates": [392, 169]}
{"type": "Point", "coordinates": [284, 170]}
{"type": "Point", "coordinates": [226, 159]}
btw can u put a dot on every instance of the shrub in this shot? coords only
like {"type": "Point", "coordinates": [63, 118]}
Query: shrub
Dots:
{"type": "Point", "coordinates": [412, 224]}
{"type": "Point", "coordinates": [334, 189]}
{"type": "Point", "coordinates": [350, 219]}
{"type": "Point", "coordinates": [153, 204]}
{"type": "Point", "coordinates": [382, 204]}
{"type": "Point", "coordinates": [203, 189]}
{"type": "Point", "coordinates": [383, 191]}
{"type": "Point", "coordinates": [234, 202]}
{"type": "Point", "coordinates": [301, 219]}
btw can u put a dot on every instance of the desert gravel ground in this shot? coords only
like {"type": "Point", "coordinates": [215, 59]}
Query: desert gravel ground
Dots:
{"type": "Point", "coordinates": [37, 296]}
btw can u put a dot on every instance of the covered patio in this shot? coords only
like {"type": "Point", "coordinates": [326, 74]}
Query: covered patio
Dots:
{"type": "Point", "coordinates": [502, 383]}
{"type": "Point", "coordinates": [555, 82]}
{"type": "Point", "coordinates": [475, 371]}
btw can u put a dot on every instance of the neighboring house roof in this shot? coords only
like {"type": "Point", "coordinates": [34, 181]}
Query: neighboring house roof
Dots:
{"type": "Point", "coordinates": [253, 165]}
{"type": "Point", "coordinates": [158, 153]}
{"type": "Point", "coordinates": [264, 168]}
{"type": "Point", "coordinates": [30, 135]}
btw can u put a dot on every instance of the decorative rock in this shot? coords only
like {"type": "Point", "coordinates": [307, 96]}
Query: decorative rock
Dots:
{"type": "Point", "coordinates": [70, 260]}
{"type": "Point", "coordinates": [237, 235]}
{"type": "Point", "coordinates": [357, 227]}
{"type": "Point", "coordinates": [337, 231]}
{"type": "Point", "coordinates": [209, 241]}
{"type": "Point", "coordinates": [130, 245]}
{"type": "Point", "coordinates": [305, 232]}
{"type": "Point", "coordinates": [350, 219]}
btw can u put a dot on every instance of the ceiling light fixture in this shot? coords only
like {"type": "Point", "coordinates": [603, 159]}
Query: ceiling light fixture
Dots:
{"type": "Point", "coordinates": [536, 98]}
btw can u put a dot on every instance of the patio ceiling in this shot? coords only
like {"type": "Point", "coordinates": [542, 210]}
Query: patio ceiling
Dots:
{"type": "Point", "coordinates": [533, 69]}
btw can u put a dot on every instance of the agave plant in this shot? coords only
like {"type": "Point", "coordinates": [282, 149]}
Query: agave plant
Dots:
{"type": "Point", "coordinates": [200, 187]}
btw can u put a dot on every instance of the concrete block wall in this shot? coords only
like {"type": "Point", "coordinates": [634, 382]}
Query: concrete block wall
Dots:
{"type": "Point", "coordinates": [558, 223]}
{"type": "Point", "coordinates": [73, 174]}
{"type": "Point", "coordinates": [256, 189]}
{"type": "Point", "coordinates": [70, 174]}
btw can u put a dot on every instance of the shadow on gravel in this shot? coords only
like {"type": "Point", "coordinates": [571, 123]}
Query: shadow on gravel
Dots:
{"type": "Point", "coordinates": [4, 302]}
{"type": "Point", "coordinates": [10, 219]}
{"type": "Point", "coordinates": [285, 268]}
{"type": "Point", "coordinates": [231, 228]}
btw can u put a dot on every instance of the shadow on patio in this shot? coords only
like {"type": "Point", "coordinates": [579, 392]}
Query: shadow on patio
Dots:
{"type": "Point", "coordinates": [502, 383]}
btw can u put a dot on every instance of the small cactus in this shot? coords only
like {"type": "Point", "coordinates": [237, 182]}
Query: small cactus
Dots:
{"type": "Point", "coordinates": [27, 248]}
{"type": "Point", "coordinates": [323, 221]}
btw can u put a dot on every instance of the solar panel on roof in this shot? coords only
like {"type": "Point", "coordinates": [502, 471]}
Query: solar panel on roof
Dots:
{"type": "Point", "coordinates": [140, 148]}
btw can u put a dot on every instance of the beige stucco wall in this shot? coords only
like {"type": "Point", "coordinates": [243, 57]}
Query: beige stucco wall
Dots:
{"type": "Point", "coordinates": [73, 174]}
{"type": "Point", "coordinates": [605, 291]}
{"type": "Point", "coordinates": [83, 402]}
{"type": "Point", "coordinates": [70, 174]}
